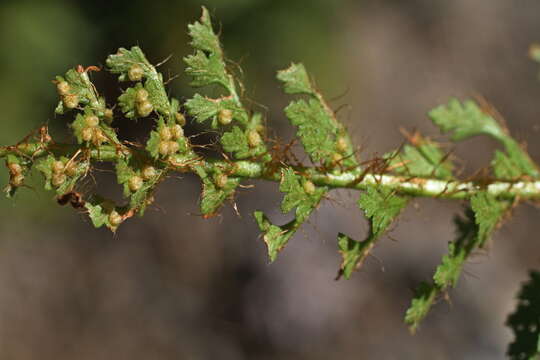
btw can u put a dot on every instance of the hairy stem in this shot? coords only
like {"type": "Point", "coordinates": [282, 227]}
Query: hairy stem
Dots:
{"type": "Point", "coordinates": [349, 179]}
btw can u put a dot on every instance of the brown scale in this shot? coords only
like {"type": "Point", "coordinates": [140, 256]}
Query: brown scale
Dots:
{"type": "Point", "coordinates": [282, 155]}
{"type": "Point", "coordinates": [81, 69]}
{"type": "Point", "coordinates": [74, 198]}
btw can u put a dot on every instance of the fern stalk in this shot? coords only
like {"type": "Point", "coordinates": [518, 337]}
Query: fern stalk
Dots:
{"type": "Point", "coordinates": [355, 179]}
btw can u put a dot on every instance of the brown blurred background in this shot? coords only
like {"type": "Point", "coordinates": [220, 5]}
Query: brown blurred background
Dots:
{"type": "Point", "coordinates": [174, 286]}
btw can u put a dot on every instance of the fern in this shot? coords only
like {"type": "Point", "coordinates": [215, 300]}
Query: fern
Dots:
{"type": "Point", "coordinates": [418, 169]}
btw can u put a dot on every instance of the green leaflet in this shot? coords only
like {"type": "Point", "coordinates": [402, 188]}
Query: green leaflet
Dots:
{"type": "Point", "coordinates": [504, 167]}
{"type": "Point", "coordinates": [83, 90]}
{"type": "Point", "coordinates": [121, 63]}
{"type": "Point", "coordinates": [124, 172]}
{"type": "Point", "coordinates": [206, 70]}
{"type": "Point", "coordinates": [473, 231]}
{"type": "Point", "coordinates": [299, 194]}
{"type": "Point", "coordinates": [213, 196]}
{"type": "Point", "coordinates": [78, 169]}
{"type": "Point", "coordinates": [447, 272]}
{"type": "Point", "coordinates": [525, 321]}
{"type": "Point", "coordinates": [25, 164]}
{"type": "Point", "coordinates": [79, 125]}
{"type": "Point", "coordinates": [515, 163]}
{"type": "Point", "coordinates": [324, 139]}
{"type": "Point", "coordinates": [296, 80]}
{"type": "Point", "coordinates": [139, 199]}
{"type": "Point", "coordinates": [207, 65]}
{"type": "Point", "coordinates": [316, 129]}
{"type": "Point", "coordinates": [204, 108]}
{"type": "Point", "coordinates": [202, 34]}
{"type": "Point", "coordinates": [275, 237]}
{"type": "Point", "coordinates": [424, 297]}
{"type": "Point", "coordinates": [127, 101]}
{"type": "Point", "coordinates": [100, 209]}
{"type": "Point", "coordinates": [467, 119]}
{"type": "Point", "coordinates": [485, 213]}
{"type": "Point", "coordinates": [45, 167]}
{"type": "Point", "coordinates": [236, 141]}
{"type": "Point", "coordinates": [381, 207]}
{"type": "Point", "coordinates": [424, 159]}
{"type": "Point", "coordinates": [152, 145]}
{"type": "Point", "coordinates": [352, 253]}
{"type": "Point", "coordinates": [488, 212]}
{"type": "Point", "coordinates": [154, 142]}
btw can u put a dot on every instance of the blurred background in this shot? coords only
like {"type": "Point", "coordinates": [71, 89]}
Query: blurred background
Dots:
{"type": "Point", "coordinates": [174, 286]}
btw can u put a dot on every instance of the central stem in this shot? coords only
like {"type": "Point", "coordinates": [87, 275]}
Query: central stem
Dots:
{"type": "Point", "coordinates": [336, 179]}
